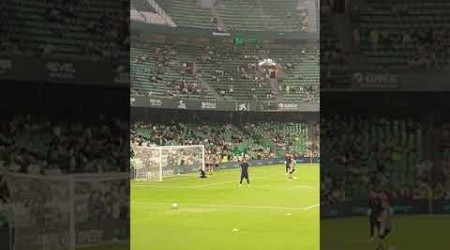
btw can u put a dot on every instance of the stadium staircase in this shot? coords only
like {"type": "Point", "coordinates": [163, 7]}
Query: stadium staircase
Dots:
{"type": "Point", "coordinates": [212, 94]}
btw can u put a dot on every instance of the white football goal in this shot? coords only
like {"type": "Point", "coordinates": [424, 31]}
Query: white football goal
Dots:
{"type": "Point", "coordinates": [63, 212]}
{"type": "Point", "coordinates": [155, 163]}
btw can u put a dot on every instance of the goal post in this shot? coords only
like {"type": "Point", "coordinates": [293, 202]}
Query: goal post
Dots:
{"type": "Point", "coordinates": [64, 212]}
{"type": "Point", "coordinates": [157, 162]}
{"type": "Point", "coordinates": [35, 199]}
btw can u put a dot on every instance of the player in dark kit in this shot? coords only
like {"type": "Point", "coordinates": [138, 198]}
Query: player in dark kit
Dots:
{"type": "Point", "coordinates": [244, 171]}
{"type": "Point", "coordinates": [202, 173]}
{"type": "Point", "coordinates": [374, 212]}
{"type": "Point", "coordinates": [287, 163]}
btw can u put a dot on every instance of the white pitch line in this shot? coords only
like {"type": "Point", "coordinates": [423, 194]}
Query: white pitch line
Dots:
{"type": "Point", "coordinates": [187, 186]}
{"type": "Point", "coordinates": [214, 184]}
{"type": "Point", "coordinates": [310, 207]}
{"type": "Point", "coordinates": [238, 206]}
{"type": "Point", "coordinates": [233, 206]}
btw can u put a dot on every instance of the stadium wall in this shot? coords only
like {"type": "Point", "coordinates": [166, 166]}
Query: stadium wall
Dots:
{"type": "Point", "coordinates": [379, 80]}
{"type": "Point", "coordinates": [160, 36]}
{"type": "Point", "coordinates": [272, 106]}
{"type": "Point", "coordinates": [62, 71]}
{"type": "Point", "coordinates": [63, 101]}
{"type": "Point", "coordinates": [155, 115]}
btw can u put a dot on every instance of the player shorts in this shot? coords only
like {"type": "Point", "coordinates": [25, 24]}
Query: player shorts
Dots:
{"type": "Point", "coordinates": [374, 218]}
{"type": "Point", "coordinates": [292, 170]}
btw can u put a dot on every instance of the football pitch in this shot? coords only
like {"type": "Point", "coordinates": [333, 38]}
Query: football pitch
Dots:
{"type": "Point", "coordinates": [214, 213]}
{"type": "Point", "coordinates": [408, 232]}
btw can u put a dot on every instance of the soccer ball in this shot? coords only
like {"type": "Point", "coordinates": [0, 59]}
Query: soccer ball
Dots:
{"type": "Point", "coordinates": [175, 206]}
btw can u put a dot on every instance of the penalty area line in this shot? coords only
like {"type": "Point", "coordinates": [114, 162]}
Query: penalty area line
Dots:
{"type": "Point", "coordinates": [167, 185]}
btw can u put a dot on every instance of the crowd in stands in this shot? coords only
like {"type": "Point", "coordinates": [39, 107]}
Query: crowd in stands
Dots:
{"type": "Point", "coordinates": [360, 154]}
{"type": "Point", "coordinates": [39, 146]}
{"type": "Point", "coordinates": [405, 34]}
{"type": "Point", "coordinates": [226, 142]}
{"type": "Point", "coordinates": [246, 69]}
{"type": "Point", "coordinates": [42, 146]}
{"type": "Point", "coordinates": [232, 72]}
{"type": "Point", "coordinates": [162, 67]}
{"type": "Point", "coordinates": [385, 38]}
{"type": "Point", "coordinates": [388, 36]}
{"type": "Point", "coordinates": [106, 200]}
{"type": "Point", "coordinates": [98, 31]}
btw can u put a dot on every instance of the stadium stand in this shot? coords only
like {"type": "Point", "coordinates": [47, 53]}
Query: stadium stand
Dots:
{"type": "Point", "coordinates": [157, 70]}
{"type": "Point", "coordinates": [226, 15]}
{"type": "Point", "coordinates": [226, 72]}
{"type": "Point", "coordinates": [258, 140]}
{"type": "Point", "coordinates": [38, 146]}
{"type": "Point", "coordinates": [392, 160]}
{"type": "Point", "coordinates": [335, 56]}
{"type": "Point", "coordinates": [187, 13]}
{"type": "Point", "coordinates": [285, 15]}
{"type": "Point", "coordinates": [54, 28]}
{"type": "Point", "coordinates": [405, 34]}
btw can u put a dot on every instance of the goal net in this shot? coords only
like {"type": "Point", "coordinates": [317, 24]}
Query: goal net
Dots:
{"type": "Point", "coordinates": [68, 211]}
{"type": "Point", "coordinates": [154, 163]}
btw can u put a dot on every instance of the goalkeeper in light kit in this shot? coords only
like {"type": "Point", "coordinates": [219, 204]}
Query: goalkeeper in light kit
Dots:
{"type": "Point", "coordinates": [244, 171]}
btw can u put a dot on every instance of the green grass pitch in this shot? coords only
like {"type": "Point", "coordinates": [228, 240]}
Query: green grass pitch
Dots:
{"type": "Point", "coordinates": [272, 214]}
{"type": "Point", "coordinates": [408, 232]}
